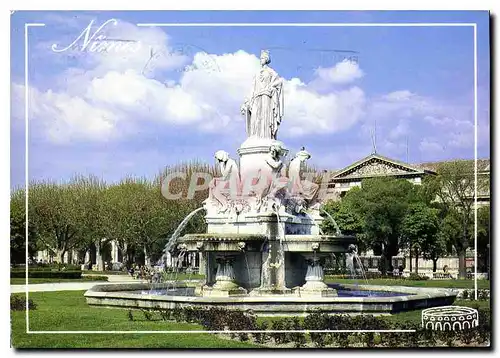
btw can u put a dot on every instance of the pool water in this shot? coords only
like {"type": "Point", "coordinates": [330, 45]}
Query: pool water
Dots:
{"type": "Point", "coordinates": [341, 292]}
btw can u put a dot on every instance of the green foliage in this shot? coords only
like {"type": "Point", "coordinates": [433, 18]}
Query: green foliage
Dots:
{"type": "Point", "coordinates": [465, 294]}
{"type": "Point", "coordinates": [419, 230]}
{"type": "Point", "coordinates": [95, 278]}
{"type": "Point", "coordinates": [18, 303]}
{"type": "Point", "coordinates": [416, 277]}
{"type": "Point", "coordinates": [48, 267]}
{"type": "Point", "coordinates": [86, 211]}
{"type": "Point", "coordinates": [454, 187]}
{"type": "Point", "coordinates": [483, 238]}
{"type": "Point", "coordinates": [18, 229]}
{"type": "Point", "coordinates": [374, 213]}
{"type": "Point", "coordinates": [68, 311]}
{"type": "Point", "coordinates": [46, 274]}
{"type": "Point", "coordinates": [347, 217]}
{"type": "Point", "coordinates": [147, 315]}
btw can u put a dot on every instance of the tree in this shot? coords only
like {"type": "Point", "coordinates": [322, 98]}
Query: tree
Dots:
{"type": "Point", "coordinates": [483, 238]}
{"type": "Point", "coordinates": [375, 212]}
{"type": "Point", "coordinates": [434, 250]}
{"type": "Point", "coordinates": [454, 188]}
{"type": "Point", "coordinates": [18, 229]}
{"type": "Point", "coordinates": [347, 217]}
{"type": "Point", "coordinates": [92, 214]}
{"type": "Point", "coordinates": [53, 211]}
{"type": "Point", "coordinates": [419, 230]}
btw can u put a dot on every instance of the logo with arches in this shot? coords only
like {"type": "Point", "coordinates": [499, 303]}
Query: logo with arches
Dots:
{"type": "Point", "coordinates": [450, 318]}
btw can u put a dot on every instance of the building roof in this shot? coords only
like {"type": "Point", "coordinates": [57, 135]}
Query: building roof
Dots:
{"type": "Point", "coordinates": [483, 165]}
{"type": "Point", "coordinates": [390, 166]}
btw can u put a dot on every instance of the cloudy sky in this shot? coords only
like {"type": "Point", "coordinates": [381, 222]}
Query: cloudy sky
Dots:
{"type": "Point", "coordinates": [163, 95]}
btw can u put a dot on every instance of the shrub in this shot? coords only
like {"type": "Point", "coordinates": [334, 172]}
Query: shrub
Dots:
{"type": "Point", "coordinates": [261, 337]}
{"type": "Point", "coordinates": [416, 277]}
{"type": "Point", "coordinates": [18, 303]}
{"type": "Point", "coordinates": [429, 337]}
{"type": "Point", "coordinates": [447, 337]}
{"type": "Point", "coordinates": [147, 314]}
{"type": "Point", "coordinates": [340, 322]}
{"type": "Point", "coordinates": [468, 335]}
{"type": "Point", "coordinates": [95, 278]}
{"type": "Point", "coordinates": [47, 274]}
{"type": "Point", "coordinates": [317, 321]}
{"type": "Point", "coordinates": [483, 294]}
{"type": "Point", "coordinates": [165, 314]}
{"type": "Point", "coordinates": [130, 316]}
{"type": "Point", "coordinates": [178, 314]}
{"type": "Point", "coordinates": [53, 266]}
{"type": "Point", "coordinates": [409, 339]}
{"type": "Point", "coordinates": [299, 338]}
{"type": "Point", "coordinates": [277, 325]}
{"type": "Point", "coordinates": [465, 294]}
{"type": "Point", "coordinates": [391, 339]}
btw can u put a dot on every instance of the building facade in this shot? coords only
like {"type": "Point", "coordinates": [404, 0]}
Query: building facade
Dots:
{"type": "Point", "coordinates": [376, 165]}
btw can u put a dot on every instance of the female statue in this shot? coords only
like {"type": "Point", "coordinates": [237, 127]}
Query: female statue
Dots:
{"type": "Point", "coordinates": [230, 181]}
{"type": "Point", "coordinates": [264, 108]}
{"type": "Point", "coordinates": [301, 187]}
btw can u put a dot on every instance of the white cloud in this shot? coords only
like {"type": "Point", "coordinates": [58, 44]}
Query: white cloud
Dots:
{"type": "Point", "coordinates": [395, 96]}
{"type": "Point", "coordinates": [112, 94]}
{"type": "Point", "coordinates": [401, 130]}
{"type": "Point", "coordinates": [63, 117]}
{"type": "Point", "coordinates": [342, 73]}
{"type": "Point", "coordinates": [404, 113]}
{"type": "Point", "coordinates": [430, 146]}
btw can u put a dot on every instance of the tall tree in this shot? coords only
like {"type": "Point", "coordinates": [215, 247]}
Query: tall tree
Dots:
{"type": "Point", "coordinates": [377, 210]}
{"type": "Point", "coordinates": [53, 212]}
{"type": "Point", "coordinates": [454, 187]}
{"type": "Point", "coordinates": [18, 229]}
{"type": "Point", "coordinates": [346, 214]}
{"type": "Point", "coordinates": [386, 201]}
{"type": "Point", "coordinates": [419, 230]}
{"type": "Point", "coordinates": [483, 238]}
{"type": "Point", "coordinates": [91, 214]}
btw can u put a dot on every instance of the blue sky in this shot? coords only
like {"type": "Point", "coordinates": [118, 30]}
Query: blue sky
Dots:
{"type": "Point", "coordinates": [122, 113]}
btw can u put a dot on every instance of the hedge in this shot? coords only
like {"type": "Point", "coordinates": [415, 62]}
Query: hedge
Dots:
{"type": "Point", "coordinates": [220, 319]}
{"type": "Point", "coordinates": [46, 274]}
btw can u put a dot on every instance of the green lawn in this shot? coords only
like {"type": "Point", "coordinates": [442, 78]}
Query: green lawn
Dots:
{"type": "Point", "coordinates": [22, 281]}
{"type": "Point", "coordinates": [481, 284]}
{"type": "Point", "coordinates": [185, 276]}
{"type": "Point", "coordinates": [91, 272]}
{"type": "Point", "coordinates": [68, 310]}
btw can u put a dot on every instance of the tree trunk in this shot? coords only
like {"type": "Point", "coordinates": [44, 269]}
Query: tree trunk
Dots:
{"type": "Point", "coordinates": [462, 270]}
{"type": "Point", "coordinates": [98, 256]}
{"type": "Point", "coordinates": [385, 260]}
{"type": "Point", "coordinates": [434, 265]}
{"type": "Point", "coordinates": [60, 255]}
{"type": "Point", "coordinates": [125, 258]}
{"type": "Point", "coordinates": [411, 261]}
{"type": "Point", "coordinates": [147, 259]}
{"type": "Point", "coordinates": [488, 262]}
{"type": "Point", "coordinates": [416, 262]}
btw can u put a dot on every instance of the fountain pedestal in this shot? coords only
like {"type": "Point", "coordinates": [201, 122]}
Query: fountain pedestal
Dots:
{"type": "Point", "coordinates": [225, 284]}
{"type": "Point", "coordinates": [315, 285]}
{"type": "Point", "coordinates": [273, 271]}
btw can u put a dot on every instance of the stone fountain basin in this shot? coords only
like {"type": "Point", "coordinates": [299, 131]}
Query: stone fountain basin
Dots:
{"type": "Point", "coordinates": [291, 243]}
{"type": "Point", "coordinates": [130, 296]}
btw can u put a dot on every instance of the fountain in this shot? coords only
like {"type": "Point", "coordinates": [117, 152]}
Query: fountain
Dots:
{"type": "Point", "coordinates": [263, 249]}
